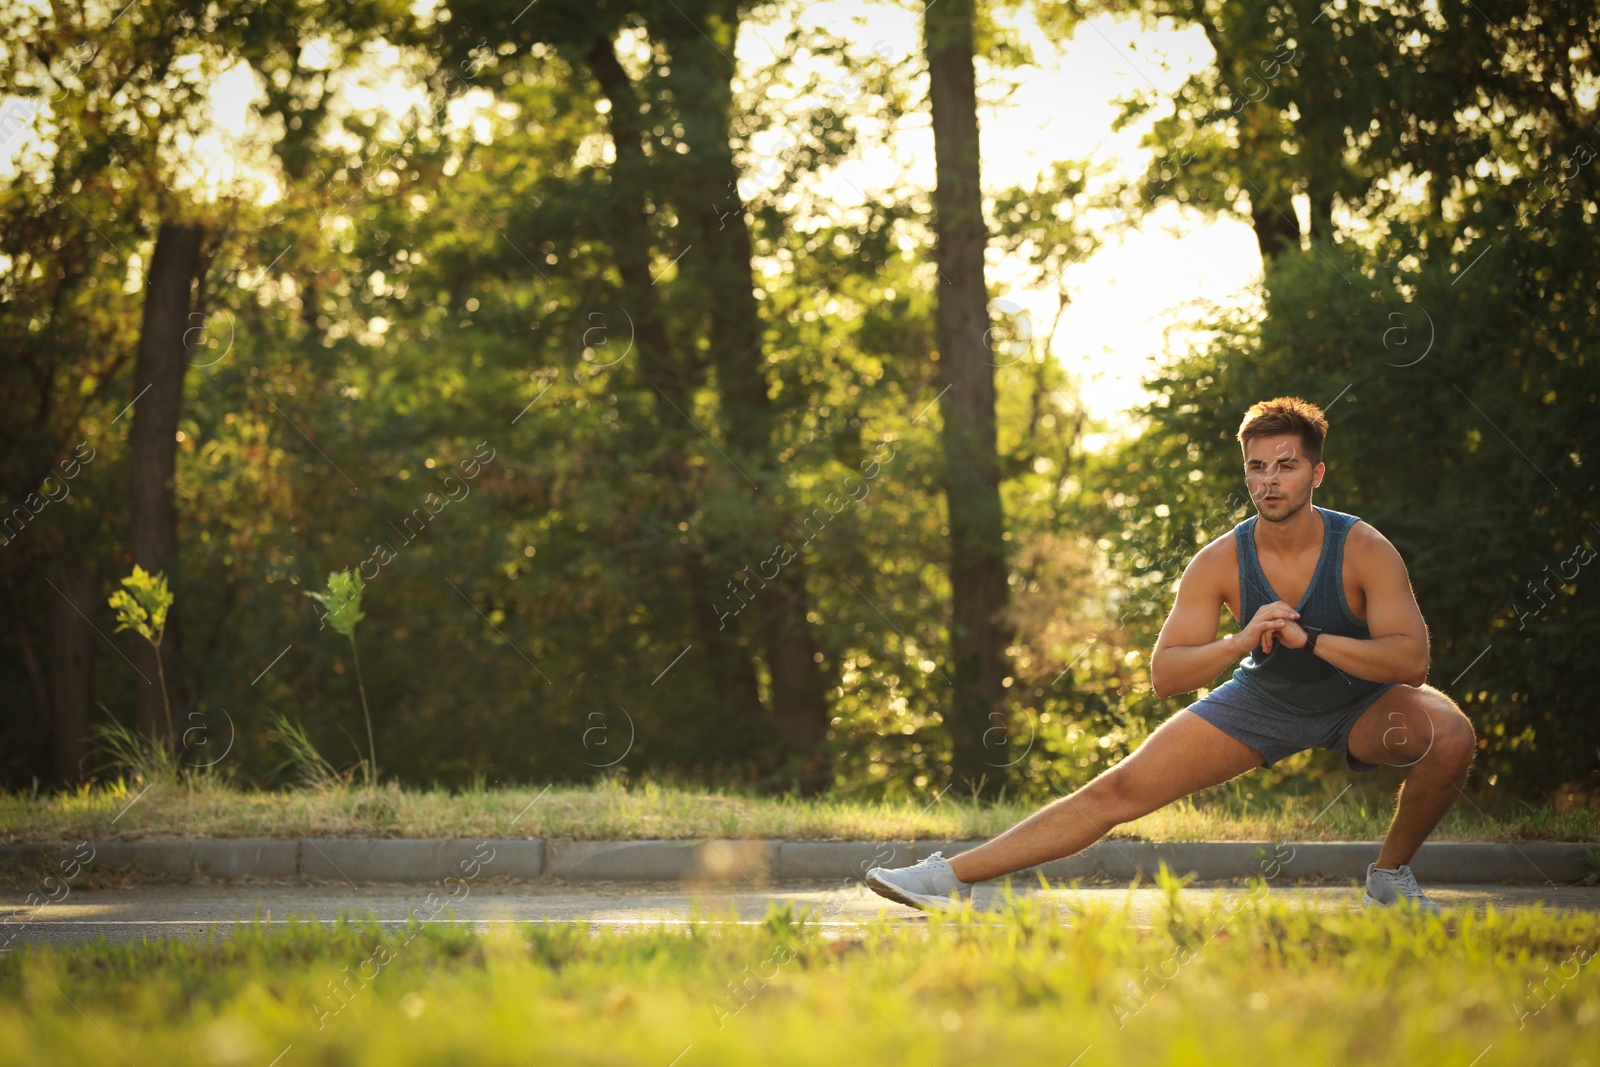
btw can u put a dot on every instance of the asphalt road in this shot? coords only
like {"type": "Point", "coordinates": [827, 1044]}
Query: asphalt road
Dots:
{"type": "Point", "coordinates": [195, 911]}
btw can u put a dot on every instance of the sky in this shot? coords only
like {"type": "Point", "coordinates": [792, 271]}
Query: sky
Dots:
{"type": "Point", "coordinates": [1125, 297]}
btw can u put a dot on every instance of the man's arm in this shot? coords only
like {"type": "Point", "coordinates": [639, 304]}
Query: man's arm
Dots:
{"type": "Point", "coordinates": [1398, 648]}
{"type": "Point", "coordinates": [1188, 653]}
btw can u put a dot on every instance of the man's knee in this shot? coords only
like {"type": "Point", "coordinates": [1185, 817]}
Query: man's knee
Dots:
{"type": "Point", "coordinates": [1458, 742]}
{"type": "Point", "coordinates": [1116, 796]}
{"type": "Point", "coordinates": [1455, 742]}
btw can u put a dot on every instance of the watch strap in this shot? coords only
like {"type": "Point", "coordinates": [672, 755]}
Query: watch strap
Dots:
{"type": "Point", "coordinates": [1312, 633]}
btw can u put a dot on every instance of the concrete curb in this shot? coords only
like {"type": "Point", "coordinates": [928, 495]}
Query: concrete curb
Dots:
{"type": "Point", "coordinates": [355, 859]}
{"type": "Point", "coordinates": [760, 863]}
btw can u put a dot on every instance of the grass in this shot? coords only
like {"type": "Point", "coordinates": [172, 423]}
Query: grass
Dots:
{"type": "Point", "coordinates": [212, 807]}
{"type": "Point", "coordinates": [1257, 979]}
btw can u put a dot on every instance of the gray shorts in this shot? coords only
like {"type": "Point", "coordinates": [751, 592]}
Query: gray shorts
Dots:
{"type": "Point", "coordinates": [1277, 736]}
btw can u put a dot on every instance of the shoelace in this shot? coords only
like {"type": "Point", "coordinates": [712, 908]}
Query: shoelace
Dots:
{"type": "Point", "coordinates": [1406, 883]}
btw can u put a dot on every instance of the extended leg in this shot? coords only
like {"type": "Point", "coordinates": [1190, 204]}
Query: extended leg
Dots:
{"type": "Point", "coordinates": [1420, 728]}
{"type": "Point", "coordinates": [1184, 755]}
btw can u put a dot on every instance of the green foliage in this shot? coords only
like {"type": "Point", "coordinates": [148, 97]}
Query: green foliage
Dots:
{"type": "Point", "coordinates": [1036, 980]}
{"type": "Point", "coordinates": [134, 754]}
{"type": "Point", "coordinates": [141, 604]}
{"type": "Point", "coordinates": [621, 809]}
{"type": "Point", "coordinates": [448, 295]}
{"type": "Point", "coordinates": [566, 573]}
{"type": "Point", "coordinates": [313, 770]}
{"type": "Point", "coordinates": [342, 602]}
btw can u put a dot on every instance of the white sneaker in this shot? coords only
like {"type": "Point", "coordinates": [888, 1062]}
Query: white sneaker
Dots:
{"type": "Point", "coordinates": [930, 885]}
{"type": "Point", "coordinates": [1386, 888]}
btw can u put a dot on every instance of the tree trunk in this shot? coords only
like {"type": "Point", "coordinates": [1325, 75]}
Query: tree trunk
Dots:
{"type": "Point", "coordinates": [733, 673]}
{"type": "Point", "coordinates": [1321, 213]}
{"type": "Point", "coordinates": [978, 633]}
{"type": "Point", "coordinates": [72, 638]}
{"type": "Point", "coordinates": [721, 265]}
{"type": "Point", "coordinates": [158, 386]}
{"type": "Point", "coordinates": [30, 661]}
{"type": "Point", "coordinates": [42, 757]}
{"type": "Point", "coordinates": [1273, 231]}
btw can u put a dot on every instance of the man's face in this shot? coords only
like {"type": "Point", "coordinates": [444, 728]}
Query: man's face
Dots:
{"type": "Point", "coordinates": [1279, 475]}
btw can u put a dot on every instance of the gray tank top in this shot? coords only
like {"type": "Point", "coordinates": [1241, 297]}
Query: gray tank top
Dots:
{"type": "Point", "coordinates": [1293, 680]}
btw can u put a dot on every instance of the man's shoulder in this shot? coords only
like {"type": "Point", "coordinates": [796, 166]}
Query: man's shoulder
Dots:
{"type": "Point", "coordinates": [1360, 532]}
{"type": "Point", "coordinates": [1218, 557]}
{"type": "Point", "coordinates": [1363, 542]}
{"type": "Point", "coordinates": [1222, 544]}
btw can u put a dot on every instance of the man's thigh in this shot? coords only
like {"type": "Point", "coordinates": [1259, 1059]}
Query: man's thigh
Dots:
{"type": "Point", "coordinates": [1184, 755]}
{"type": "Point", "coordinates": [1407, 723]}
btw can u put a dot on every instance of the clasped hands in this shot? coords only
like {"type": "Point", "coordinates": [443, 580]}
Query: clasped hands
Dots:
{"type": "Point", "coordinates": [1274, 622]}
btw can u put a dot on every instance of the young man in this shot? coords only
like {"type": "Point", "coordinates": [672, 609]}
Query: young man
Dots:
{"type": "Point", "coordinates": [1337, 658]}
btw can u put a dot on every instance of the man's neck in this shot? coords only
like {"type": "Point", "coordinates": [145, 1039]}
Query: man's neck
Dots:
{"type": "Point", "coordinates": [1299, 533]}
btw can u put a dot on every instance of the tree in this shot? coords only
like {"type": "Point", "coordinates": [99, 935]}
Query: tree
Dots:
{"type": "Point", "coordinates": [103, 99]}
{"type": "Point", "coordinates": [667, 371]}
{"type": "Point", "coordinates": [689, 89]}
{"type": "Point", "coordinates": [1269, 120]}
{"type": "Point", "coordinates": [978, 565]}
{"type": "Point", "coordinates": [85, 85]}
{"type": "Point", "coordinates": [702, 88]}
{"type": "Point", "coordinates": [171, 306]}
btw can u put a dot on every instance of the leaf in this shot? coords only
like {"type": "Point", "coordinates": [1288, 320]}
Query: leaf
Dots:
{"type": "Point", "coordinates": [342, 601]}
{"type": "Point", "coordinates": [141, 604]}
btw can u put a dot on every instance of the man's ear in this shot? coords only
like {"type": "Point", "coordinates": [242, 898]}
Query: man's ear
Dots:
{"type": "Point", "coordinates": [1316, 478]}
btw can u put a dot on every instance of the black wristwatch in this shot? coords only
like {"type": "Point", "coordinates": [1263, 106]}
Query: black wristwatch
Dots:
{"type": "Point", "coordinates": [1312, 633]}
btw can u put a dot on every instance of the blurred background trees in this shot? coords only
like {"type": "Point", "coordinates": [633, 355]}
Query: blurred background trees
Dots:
{"type": "Point", "coordinates": [545, 325]}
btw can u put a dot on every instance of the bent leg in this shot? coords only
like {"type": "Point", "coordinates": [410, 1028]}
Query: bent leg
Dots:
{"type": "Point", "coordinates": [1184, 755]}
{"type": "Point", "coordinates": [1419, 728]}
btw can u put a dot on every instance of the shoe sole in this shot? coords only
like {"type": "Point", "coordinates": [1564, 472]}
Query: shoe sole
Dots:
{"type": "Point", "coordinates": [910, 900]}
{"type": "Point", "coordinates": [1368, 900]}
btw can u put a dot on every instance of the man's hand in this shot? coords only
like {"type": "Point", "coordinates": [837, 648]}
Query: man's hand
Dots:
{"type": "Point", "coordinates": [1271, 621]}
{"type": "Point", "coordinates": [1293, 635]}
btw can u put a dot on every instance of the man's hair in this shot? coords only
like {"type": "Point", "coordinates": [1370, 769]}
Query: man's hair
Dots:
{"type": "Point", "coordinates": [1287, 414]}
